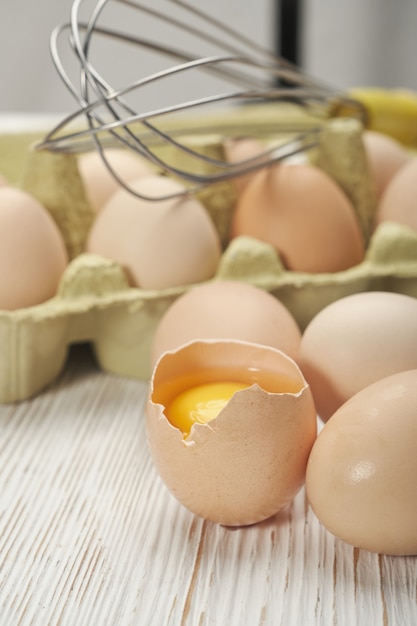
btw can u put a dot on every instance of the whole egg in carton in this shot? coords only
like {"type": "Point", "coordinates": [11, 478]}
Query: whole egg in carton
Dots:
{"type": "Point", "coordinates": [95, 303]}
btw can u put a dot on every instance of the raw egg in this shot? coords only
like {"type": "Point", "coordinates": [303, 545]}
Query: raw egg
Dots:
{"type": "Point", "coordinates": [304, 214]}
{"type": "Point", "coordinates": [230, 426]}
{"type": "Point", "coordinates": [398, 204]}
{"type": "Point", "coordinates": [99, 182]}
{"type": "Point", "coordinates": [356, 341]}
{"type": "Point", "coordinates": [385, 156]}
{"type": "Point", "coordinates": [227, 310]}
{"type": "Point", "coordinates": [33, 256]}
{"type": "Point", "coordinates": [361, 476]}
{"type": "Point", "coordinates": [239, 150]}
{"type": "Point", "coordinates": [159, 243]}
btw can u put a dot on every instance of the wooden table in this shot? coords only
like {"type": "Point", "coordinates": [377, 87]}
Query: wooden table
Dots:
{"type": "Point", "coordinates": [89, 535]}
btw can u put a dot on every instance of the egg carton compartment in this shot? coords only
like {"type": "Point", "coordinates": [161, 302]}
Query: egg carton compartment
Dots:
{"type": "Point", "coordinates": [95, 303]}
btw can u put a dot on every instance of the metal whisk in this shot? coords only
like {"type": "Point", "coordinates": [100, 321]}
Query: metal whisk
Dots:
{"type": "Point", "coordinates": [251, 74]}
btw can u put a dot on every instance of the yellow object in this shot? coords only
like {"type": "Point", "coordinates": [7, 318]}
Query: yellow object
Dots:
{"type": "Point", "coordinates": [201, 404]}
{"type": "Point", "coordinates": [393, 112]}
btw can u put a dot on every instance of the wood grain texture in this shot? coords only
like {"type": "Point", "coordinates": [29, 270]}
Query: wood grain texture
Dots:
{"type": "Point", "coordinates": [90, 536]}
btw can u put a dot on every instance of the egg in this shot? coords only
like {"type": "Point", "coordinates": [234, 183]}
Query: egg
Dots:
{"type": "Point", "coordinates": [227, 310]}
{"type": "Point", "coordinates": [248, 459]}
{"type": "Point", "coordinates": [99, 182]}
{"type": "Point", "coordinates": [304, 214]}
{"type": "Point", "coordinates": [361, 478]}
{"type": "Point", "coordinates": [33, 256]}
{"type": "Point", "coordinates": [398, 203]}
{"type": "Point", "coordinates": [241, 149]}
{"type": "Point", "coordinates": [386, 156]}
{"type": "Point", "coordinates": [160, 243]}
{"type": "Point", "coordinates": [356, 341]}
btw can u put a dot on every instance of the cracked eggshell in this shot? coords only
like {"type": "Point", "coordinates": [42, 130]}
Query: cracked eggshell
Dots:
{"type": "Point", "coordinates": [361, 476]}
{"type": "Point", "coordinates": [249, 462]}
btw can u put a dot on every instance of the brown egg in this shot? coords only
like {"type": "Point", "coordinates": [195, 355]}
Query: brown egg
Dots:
{"type": "Point", "coordinates": [303, 213]}
{"type": "Point", "coordinates": [99, 182]}
{"type": "Point", "coordinates": [398, 204]}
{"type": "Point", "coordinates": [386, 156]}
{"type": "Point", "coordinates": [32, 251]}
{"type": "Point", "coordinates": [240, 149]}
{"type": "Point", "coordinates": [356, 341]}
{"type": "Point", "coordinates": [227, 310]}
{"type": "Point", "coordinates": [361, 476]}
{"type": "Point", "coordinates": [249, 459]}
{"type": "Point", "coordinates": [159, 243]}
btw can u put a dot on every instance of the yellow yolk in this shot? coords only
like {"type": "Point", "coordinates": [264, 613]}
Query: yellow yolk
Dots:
{"type": "Point", "coordinates": [201, 404]}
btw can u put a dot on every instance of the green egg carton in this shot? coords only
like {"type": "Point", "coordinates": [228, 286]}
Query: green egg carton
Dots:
{"type": "Point", "coordinates": [95, 304]}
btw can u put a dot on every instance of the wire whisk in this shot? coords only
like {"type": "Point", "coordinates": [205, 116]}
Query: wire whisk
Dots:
{"type": "Point", "coordinates": [246, 73]}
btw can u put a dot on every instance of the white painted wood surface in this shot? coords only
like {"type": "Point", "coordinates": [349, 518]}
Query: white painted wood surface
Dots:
{"type": "Point", "coordinates": [89, 535]}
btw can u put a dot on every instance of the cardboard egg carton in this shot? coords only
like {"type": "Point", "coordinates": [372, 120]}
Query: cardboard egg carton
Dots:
{"type": "Point", "coordinates": [95, 304]}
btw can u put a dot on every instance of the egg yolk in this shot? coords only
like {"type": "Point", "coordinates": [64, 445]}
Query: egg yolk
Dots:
{"type": "Point", "coordinates": [201, 404]}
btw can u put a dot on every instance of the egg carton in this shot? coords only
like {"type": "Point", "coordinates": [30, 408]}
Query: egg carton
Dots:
{"type": "Point", "coordinates": [95, 304]}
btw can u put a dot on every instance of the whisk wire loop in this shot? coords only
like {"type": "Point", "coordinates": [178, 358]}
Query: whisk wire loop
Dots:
{"type": "Point", "coordinates": [112, 121]}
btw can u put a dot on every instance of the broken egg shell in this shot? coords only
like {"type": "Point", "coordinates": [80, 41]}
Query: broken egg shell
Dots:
{"type": "Point", "coordinates": [250, 461]}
